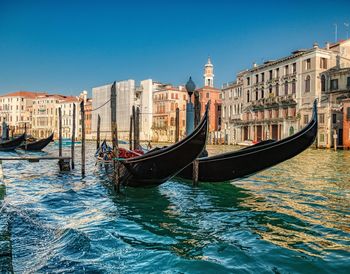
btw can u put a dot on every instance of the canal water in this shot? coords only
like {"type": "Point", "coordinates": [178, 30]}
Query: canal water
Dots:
{"type": "Point", "coordinates": [292, 218]}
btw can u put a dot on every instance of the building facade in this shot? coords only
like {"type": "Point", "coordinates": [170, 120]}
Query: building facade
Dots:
{"type": "Point", "coordinates": [346, 123]}
{"type": "Point", "coordinates": [209, 93]}
{"type": "Point", "coordinates": [16, 109]}
{"type": "Point", "coordinates": [277, 96]}
{"type": "Point", "coordinates": [165, 101]}
{"type": "Point", "coordinates": [101, 104]}
{"type": "Point", "coordinates": [232, 109]}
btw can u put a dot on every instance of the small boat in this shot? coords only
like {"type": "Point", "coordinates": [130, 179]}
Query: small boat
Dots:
{"type": "Point", "coordinates": [160, 164]}
{"type": "Point", "coordinates": [12, 144]}
{"type": "Point", "coordinates": [37, 145]}
{"type": "Point", "coordinates": [247, 161]}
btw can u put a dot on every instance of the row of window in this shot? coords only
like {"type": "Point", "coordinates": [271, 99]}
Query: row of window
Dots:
{"type": "Point", "coordinates": [274, 73]}
{"type": "Point", "coordinates": [10, 100]}
{"type": "Point", "coordinates": [260, 95]}
{"type": "Point", "coordinates": [287, 69]}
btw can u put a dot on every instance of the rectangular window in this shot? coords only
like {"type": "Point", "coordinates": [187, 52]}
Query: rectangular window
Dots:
{"type": "Point", "coordinates": [294, 66]}
{"type": "Point", "coordinates": [334, 118]}
{"type": "Point", "coordinates": [308, 64]}
{"type": "Point", "coordinates": [323, 63]}
{"type": "Point", "coordinates": [248, 81]}
{"type": "Point", "coordinates": [321, 118]}
{"type": "Point", "coordinates": [306, 119]}
{"type": "Point", "coordinates": [348, 82]}
{"type": "Point", "coordinates": [270, 75]}
{"type": "Point", "coordinates": [277, 72]}
{"type": "Point", "coordinates": [321, 137]}
{"type": "Point", "coordinates": [334, 84]}
{"type": "Point", "coordinates": [286, 70]}
{"type": "Point", "coordinates": [263, 77]}
{"type": "Point", "coordinates": [257, 78]}
{"type": "Point", "coordinates": [348, 113]}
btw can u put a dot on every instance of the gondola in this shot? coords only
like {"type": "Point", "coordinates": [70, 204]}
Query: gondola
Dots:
{"type": "Point", "coordinates": [37, 145]}
{"type": "Point", "coordinates": [245, 162]}
{"type": "Point", "coordinates": [12, 144]}
{"type": "Point", "coordinates": [159, 165]}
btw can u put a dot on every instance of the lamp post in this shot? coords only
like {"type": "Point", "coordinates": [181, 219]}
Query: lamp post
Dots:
{"type": "Point", "coordinates": [190, 87]}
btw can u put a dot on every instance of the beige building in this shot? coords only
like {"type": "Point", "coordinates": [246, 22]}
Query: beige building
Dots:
{"type": "Point", "coordinates": [165, 101]}
{"type": "Point", "coordinates": [16, 109]}
{"type": "Point", "coordinates": [277, 96]}
{"type": "Point", "coordinates": [66, 106]}
{"type": "Point", "coordinates": [45, 115]}
{"type": "Point", "coordinates": [232, 109]}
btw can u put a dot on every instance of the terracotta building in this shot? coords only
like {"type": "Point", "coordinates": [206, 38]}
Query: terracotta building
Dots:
{"type": "Point", "coordinates": [165, 101]}
{"type": "Point", "coordinates": [88, 118]}
{"type": "Point", "coordinates": [346, 123]}
{"type": "Point", "coordinates": [209, 92]}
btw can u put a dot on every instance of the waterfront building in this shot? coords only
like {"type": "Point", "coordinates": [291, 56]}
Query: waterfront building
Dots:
{"type": "Point", "coordinates": [88, 118]}
{"type": "Point", "coordinates": [126, 98]}
{"type": "Point", "coordinates": [66, 106]}
{"type": "Point", "coordinates": [209, 92]}
{"type": "Point", "coordinates": [232, 108]}
{"type": "Point", "coordinates": [16, 110]}
{"type": "Point", "coordinates": [278, 95]}
{"type": "Point", "coordinates": [45, 116]}
{"type": "Point", "coordinates": [336, 84]}
{"type": "Point", "coordinates": [346, 122]}
{"type": "Point", "coordinates": [165, 101]}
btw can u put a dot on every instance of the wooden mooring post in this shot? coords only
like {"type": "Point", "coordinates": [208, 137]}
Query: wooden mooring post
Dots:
{"type": "Point", "coordinates": [82, 111]}
{"type": "Point", "coordinates": [177, 125]}
{"type": "Point", "coordinates": [73, 137]}
{"type": "Point", "coordinates": [137, 130]}
{"type": "Point", "coordinates": [98, 131]}
{"type": "Point", "coordinates": [130, 132]}
{"type": "Point", "coordinates": [134, 126]}
{"type": "Point", "coordinates": [115, 138]}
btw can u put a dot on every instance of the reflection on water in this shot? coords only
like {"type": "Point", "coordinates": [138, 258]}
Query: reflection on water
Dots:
{"type": "Point", "coordinates": [290, 218]}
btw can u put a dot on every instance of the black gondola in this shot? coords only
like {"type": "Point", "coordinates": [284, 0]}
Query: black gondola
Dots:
{"type": "Point", "coordinates": [12, 144]}
{"type": "Point", "coordinates": [158, 166]}
{"type": "Point", "coordinates": [37, 145]}
{"type": "Point", "coordinates": [242, 163]}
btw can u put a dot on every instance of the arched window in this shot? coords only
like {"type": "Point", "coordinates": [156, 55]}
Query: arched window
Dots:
{"type": "Point", "coordinates": [270, 90]}
{"type": "Point", "coordinates": [323, 83]}
{"type": "Point", "coordinates": [256, 94]}
{"type": "Point", "coordinates": [307, 84]}
{"type": "Point", "coordinates": [285, 87]}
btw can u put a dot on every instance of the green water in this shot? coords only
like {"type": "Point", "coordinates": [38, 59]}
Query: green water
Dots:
{"type": "Point", "coordinates": [292, 218]}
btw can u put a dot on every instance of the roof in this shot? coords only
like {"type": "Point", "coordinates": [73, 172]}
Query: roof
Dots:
{"type": "Point", "coordinates": [24, 94]}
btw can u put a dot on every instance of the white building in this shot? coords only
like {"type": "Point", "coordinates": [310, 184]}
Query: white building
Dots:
{"type": "Point", "coordinates": [126, 98]}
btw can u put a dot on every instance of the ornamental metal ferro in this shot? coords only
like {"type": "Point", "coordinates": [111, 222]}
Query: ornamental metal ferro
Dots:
{"type": "Point", "coordinates": [190, 87]}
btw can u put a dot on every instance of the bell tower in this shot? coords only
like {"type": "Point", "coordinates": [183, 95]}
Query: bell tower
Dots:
{"type": "Point", "coordinates": [208, 74]}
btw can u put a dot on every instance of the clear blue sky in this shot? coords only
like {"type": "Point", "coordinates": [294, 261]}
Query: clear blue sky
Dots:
{"type": "Point", "coordinates": [68, 46]}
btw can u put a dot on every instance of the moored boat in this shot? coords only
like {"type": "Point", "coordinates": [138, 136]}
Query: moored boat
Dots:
{"type": "Point", "coordinates": [159, 165]}
{"type": "Point", "coordinates": [12, 144]}
{"type": "Point", "coordinates": [242, 163]}
{"type": "Point", "coordinates": [37, 145]}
